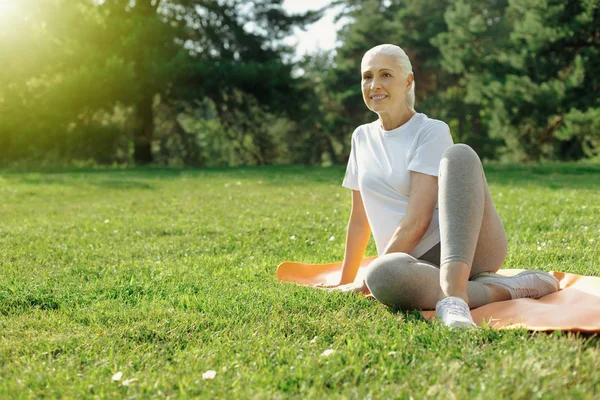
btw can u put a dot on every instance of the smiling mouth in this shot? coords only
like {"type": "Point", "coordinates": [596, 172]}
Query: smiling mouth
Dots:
{"type": "Point", "coordinates": [378, 97]}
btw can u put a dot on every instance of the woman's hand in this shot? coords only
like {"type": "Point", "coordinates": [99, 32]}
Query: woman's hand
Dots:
{"type": "Point", "coordinates": [349, 287]}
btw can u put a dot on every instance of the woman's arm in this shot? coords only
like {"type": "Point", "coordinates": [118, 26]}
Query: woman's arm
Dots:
{"type": "Point", "coordinates": [421, 203]}
{"type": "Point", "coordinates": [357, 239]}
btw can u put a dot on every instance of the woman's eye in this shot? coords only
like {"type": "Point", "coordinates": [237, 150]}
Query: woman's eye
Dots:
{"type": "Point", "coordinates": [367, 77]}
{"type": "Point", "coordinates": [387, 75]}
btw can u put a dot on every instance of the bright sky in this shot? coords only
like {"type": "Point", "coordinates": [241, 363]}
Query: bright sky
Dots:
{"type": "Point", "coordinates": [320, 35]}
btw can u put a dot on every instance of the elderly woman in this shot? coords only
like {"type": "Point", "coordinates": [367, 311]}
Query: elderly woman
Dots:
{"type": "Point", "coordinates": [427, 203]}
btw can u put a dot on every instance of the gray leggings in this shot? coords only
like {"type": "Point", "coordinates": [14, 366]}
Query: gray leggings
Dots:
{"type": "Point", "coordinates": [470, 231]}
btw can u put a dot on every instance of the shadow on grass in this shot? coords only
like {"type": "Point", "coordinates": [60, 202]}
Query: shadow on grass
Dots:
{"type": "Point", "coordinates": [408, 315]}
{"type": "Point", "coordinates": [109, 178]}
{"type": "Point", "coordinates": [552, 176]}
{"type": "Point", "coordinates": [104, 183]}
{"type": "Point", "coordinates": [143, 177]}
{"type": "Point", "coordinates": [20, 302]}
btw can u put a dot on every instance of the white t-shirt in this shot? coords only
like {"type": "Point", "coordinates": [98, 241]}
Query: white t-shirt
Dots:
{"type": "Point", "coordinates": [379, 167]}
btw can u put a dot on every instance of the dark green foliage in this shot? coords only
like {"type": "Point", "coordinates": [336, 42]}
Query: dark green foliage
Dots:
{"type": "Point", "coordinates": [209, 82]}
{"type": "Point", "coordinates": [74, 66]}
{"type": "Point", "coordinates": [514, 79]}
{"type": "Point", "coordinates": [531, 67]}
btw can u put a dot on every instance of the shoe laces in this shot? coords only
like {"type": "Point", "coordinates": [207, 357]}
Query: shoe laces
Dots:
{"type": "Point", "coordinates": [526, 292]}
{"type": "Point", "coordinates": [456, 308]}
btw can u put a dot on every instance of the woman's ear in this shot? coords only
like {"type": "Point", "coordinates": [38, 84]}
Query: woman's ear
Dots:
{"type": "Point", "coordinates": [409, 81]}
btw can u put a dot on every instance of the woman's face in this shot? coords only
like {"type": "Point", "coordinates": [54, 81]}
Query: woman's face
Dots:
{"type": "Point", "coordinates": [384, 84]}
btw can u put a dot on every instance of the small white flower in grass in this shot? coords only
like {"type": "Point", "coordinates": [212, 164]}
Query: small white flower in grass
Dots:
{"type": "Point", "coordinates": [238, 183]}
{"type": "Point", "coordinates": [392, 353]}
{"type": "Point", "coordinates": [327, 352]}
{"type": "Point", "coordinates": [260, 182]}
{"type": "Point", "coordinates": [227, 184]}
{"type": "Point", "coordinates": [314, 340]}
{"type": "Point", "coordinates": [331, 238]}
{"type": "Point", "coordinates": [117, 376]}
{"type": "Point", "coordinates": [127, 382]}
{"type": "Point", "coordinates": [210, 374]}
{"type": "Point", "coordinates": [293, 237]}
{"type": "Point", "coordinates": [106, 221]}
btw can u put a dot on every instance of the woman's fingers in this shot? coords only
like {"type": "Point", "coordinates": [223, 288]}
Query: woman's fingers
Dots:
{"type": "Point", "coordinates": [354, 288]}
{"type": "Point", "coordinates": [350, 287]}
{"type": "Point", "coordinates": [324, 286]}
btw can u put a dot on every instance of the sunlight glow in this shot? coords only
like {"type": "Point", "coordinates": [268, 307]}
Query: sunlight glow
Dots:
{"type": "Point", "coordinates": [9, 10]}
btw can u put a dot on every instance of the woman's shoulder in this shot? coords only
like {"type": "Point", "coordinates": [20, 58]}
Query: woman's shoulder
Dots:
{"type": "Point", "coordinates": [434, 131]}
{"type": "Point", "coordinates": [434, 124]}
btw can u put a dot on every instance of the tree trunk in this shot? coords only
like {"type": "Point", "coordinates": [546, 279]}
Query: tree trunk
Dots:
{"type": "Point", "coordinates": [329, 147]}
{"type": "Point", "coordinates": [142, 140]}
{"type": "Point", "coordinates": [144, 113]}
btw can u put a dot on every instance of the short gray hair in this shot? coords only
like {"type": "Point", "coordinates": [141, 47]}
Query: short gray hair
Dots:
{"type": "Point", "coordinates": [403, 61]}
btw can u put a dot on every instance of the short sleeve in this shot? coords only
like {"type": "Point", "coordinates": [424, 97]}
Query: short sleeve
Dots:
{"type": "Point", "coordinates": [432, 144]}
{"type": "Point", "coordinates": [351, 177]}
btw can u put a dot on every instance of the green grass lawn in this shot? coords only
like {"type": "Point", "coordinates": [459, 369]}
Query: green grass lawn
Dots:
{"type": "Point", "coordinates": [164, 274]}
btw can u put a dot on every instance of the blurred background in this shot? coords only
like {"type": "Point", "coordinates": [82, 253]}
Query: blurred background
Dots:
{"type": "Point", "coordinates": [254, 82]}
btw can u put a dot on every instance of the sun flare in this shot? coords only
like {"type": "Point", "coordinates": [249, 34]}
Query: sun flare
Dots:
{"type": "Point", "coordinates": [9, 9]}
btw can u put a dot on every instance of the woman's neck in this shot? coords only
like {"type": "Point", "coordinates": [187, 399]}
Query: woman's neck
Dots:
{"type": "Point", "coordinates": [393, 121]}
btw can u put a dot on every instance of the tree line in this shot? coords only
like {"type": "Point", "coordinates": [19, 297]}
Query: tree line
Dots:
{"type": "Point", "coordinates": [210, 82]}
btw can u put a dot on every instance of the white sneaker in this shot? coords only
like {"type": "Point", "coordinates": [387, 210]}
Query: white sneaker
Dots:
{"type": "Point", "coordinates": [527, 284]}
{"type": "Point", "coordinates": [454, 312]}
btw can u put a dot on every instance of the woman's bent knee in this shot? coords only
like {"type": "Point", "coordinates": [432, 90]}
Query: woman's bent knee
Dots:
{"type": "Point", "coordinates": [387, 279]}
{"type": "Point", "coordinates": [461, 152]}
{"type": "Point", "coordinates": [382, 270]}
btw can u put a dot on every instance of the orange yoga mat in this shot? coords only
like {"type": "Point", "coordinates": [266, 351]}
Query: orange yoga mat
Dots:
{"type": "Point", "coordinates": [575, 307]}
